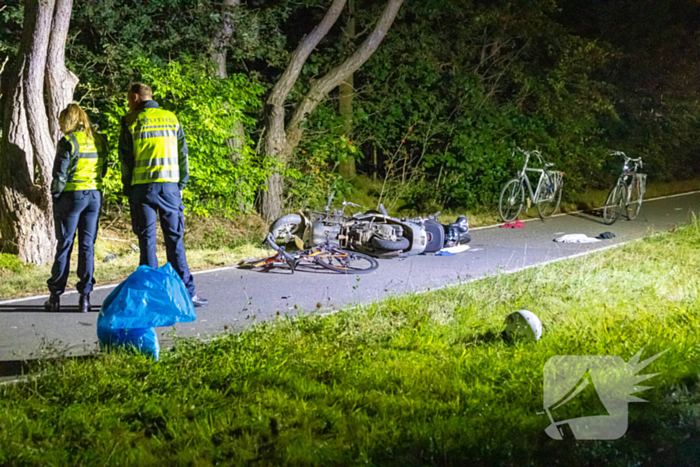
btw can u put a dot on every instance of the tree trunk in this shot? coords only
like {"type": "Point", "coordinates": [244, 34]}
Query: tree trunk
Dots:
{"type": "Point", "coordinates": [274, 146]}
{"type": "Point", "coordinates": [275, 140]}
{"type": "Point", "coordinates": [28, 148]}
{"type": "Point", "coordinates": [280, 147]}
{"type": "Point", "coordinates": [222, 39]}
{"type": "Point", "coordinates": [60, 82]}
{"type": "Point", "coordinates": [219, 44]}
{"type": "Point", "coordinates": [346, 168]}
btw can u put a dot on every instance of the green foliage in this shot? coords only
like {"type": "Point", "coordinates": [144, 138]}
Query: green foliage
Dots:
{"type": "Point", "coordinates": [10, 29]}
{"type": "Point", "coordinates": [417, 380]}
{"type": "Point", "coordinates": [211, 111]}
{"type": "Point", "coordinates": [474, 81]}
{"type": "Point", "coordinates": [313, 166]}
{"type": "Point", "coordinates": [11, 263]}
{"type": "Point", "coordinates": [315, 178]}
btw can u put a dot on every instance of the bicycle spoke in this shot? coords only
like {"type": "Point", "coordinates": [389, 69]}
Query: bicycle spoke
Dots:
{"type": "Point", "coordinates": [348, 262]}
{"type": "Point", "coordinates": [511, 201]}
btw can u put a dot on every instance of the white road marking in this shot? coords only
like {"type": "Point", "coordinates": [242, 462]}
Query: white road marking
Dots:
{"type": "Point", "coordinates": [227, 268]}
{"type": "Point", "coordinates": [586, 210]}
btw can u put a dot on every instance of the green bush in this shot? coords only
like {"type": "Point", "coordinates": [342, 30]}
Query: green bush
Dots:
{"type": "Point", "coordinates": [313, 177]}
{"type": "Point", "coordinates": [12, 263]}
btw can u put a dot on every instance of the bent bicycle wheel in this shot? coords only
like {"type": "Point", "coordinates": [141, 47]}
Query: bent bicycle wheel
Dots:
{"type": "Point", "coordinates": [614, 204]}
{"type": "Point", "coordinates": [511, 201]}
{"type": "Point", "coordinates": [347, 262]}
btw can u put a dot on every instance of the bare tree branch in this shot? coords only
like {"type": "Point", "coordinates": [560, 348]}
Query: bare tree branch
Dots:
{"type": "Point", "coordinates": [298, 58]}
{"type": "Point", "coordinates": [320, 88]}
{"type": "Point", "coordinates": [3, 69]}
{"type": "Point", "coordinates": [280, 141]}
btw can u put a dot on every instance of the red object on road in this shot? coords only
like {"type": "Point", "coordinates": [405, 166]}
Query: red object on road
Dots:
{"type": "Point", "coordinates": [514, 225]}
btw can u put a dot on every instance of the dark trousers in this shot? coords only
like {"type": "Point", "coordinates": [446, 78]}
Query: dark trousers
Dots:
{"type": "Point", "coordinates": [160, 200]}
{"type": "Point", "coordinates": [75, 210]}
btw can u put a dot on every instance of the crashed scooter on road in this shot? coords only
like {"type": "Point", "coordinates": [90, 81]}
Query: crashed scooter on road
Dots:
{"type": "Point", "coordinates": [379, 236]}
{"type": "Point", "coordinates": [373, 232]}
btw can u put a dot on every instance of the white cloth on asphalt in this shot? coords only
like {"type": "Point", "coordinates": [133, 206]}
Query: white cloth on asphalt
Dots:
{"type": "Point", "coordinates": [576, 238]}
{"type": "Point", "coordinates": [453, 250]}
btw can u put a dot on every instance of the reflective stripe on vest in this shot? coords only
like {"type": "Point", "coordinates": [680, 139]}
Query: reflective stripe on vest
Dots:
{"type": "Point", "coordinates": [86, 172]}
{"type": "Point", "coordinates": [154, 133]}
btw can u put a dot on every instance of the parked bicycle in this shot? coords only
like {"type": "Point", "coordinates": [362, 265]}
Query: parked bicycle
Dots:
{"type": "Point", "coordinates": [628, 192]}
{"type": "Point", "coordinates": [326, 255]}
{"type": "Point", "coordinates": [546, 196]}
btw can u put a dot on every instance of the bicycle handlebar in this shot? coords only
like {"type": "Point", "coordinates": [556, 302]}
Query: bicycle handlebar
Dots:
{"type": "Point", "coordinates": [529, 153]}
{"type": "Point", "coordinates": [627, 158]}
{"type": "Point", "coordinates": [289, 259]}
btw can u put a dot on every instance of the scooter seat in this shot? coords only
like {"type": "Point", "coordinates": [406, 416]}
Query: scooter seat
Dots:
{"type": "Point", "coordinates": [436, 236]}
{"type": "Point", "coordinates": [461, 226]}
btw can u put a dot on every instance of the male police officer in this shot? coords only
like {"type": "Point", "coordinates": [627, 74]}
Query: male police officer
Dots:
{"type": "Point", "coordinates": [155, 170]}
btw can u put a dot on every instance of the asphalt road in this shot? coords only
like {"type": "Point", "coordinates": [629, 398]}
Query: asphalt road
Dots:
{"type": "Point", "coordinates": [240, 297]}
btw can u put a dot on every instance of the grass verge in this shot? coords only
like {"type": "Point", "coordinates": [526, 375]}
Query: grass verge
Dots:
{"type": "Point", "coordinates": [210, 243]}
{"type": "Point", "coordinates": [412, 380]}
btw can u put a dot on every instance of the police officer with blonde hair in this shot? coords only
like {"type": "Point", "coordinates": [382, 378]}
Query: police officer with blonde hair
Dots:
{"type": "Point", "coordinates": [155, 170]}
{"type": "Point", "coordinates": [79, 167]}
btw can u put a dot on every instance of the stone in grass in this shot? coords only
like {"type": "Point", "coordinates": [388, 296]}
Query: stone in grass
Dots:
{"type": "Point", "coordinates": [523, 325]}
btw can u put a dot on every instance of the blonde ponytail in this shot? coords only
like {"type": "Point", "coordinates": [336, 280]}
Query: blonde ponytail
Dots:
{"type": "Point", "coordinates": [73, 118]}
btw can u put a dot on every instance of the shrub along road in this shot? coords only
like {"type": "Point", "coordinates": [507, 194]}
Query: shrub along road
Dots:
{"type": "Point", "coordinates": [241, 297]}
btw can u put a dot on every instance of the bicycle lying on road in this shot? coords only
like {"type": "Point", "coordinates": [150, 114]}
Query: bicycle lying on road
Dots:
{"type": "Point", "coordinates": [546, 196]}
{"type": "Point", "coordinates": [627, 193]}
{"type": "Point", "coordinates": [326, 255]}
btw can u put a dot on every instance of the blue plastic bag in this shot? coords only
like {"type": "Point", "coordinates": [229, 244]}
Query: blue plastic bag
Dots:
{"type": "Point", "coordinates": [148, 298]}
{"type": "Point", "coordinates": [143, 340]}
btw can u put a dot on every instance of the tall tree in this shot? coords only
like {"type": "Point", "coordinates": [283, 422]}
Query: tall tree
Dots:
{"type": "Point", "coordinates": [346, 93]}
{"type": "Point", "coordinates": [224, 35]}
{"type": "Point", "coordinates": [37, 87]}
{"type": "Point", "coordinates": [220, 44]}
{"type": "Point", "coordinates": [280, 141]}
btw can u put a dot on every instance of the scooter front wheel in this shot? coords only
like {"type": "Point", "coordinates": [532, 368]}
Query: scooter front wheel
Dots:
{"type": "Point", "coordinates": [401, 243]}
{"type": "Point", "coordinates": [286, 227]}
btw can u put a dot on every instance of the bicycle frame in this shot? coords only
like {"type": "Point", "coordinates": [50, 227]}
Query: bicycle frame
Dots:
{"type": "Point", "coordinates": [293, 260]}
{"type": "Point", "coordinates": [630, 176]}
{"type": "Point", "coordinates": [526, 180]}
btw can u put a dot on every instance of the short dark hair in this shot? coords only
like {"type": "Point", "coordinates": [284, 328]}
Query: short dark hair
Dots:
{"type": "Point", "coordinates": [142, 90]}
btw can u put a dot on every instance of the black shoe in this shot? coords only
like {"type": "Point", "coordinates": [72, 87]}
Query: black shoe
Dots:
{"type": "Point", "coordinates": [53, 304]}
{"type": "Point", "coordinates": [84, 303]}
{"type": "Point", "coordinates": [198, 301]}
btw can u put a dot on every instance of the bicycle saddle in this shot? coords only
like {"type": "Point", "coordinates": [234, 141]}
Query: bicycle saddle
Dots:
{"type": "Point", "coordinates": [548, 165]}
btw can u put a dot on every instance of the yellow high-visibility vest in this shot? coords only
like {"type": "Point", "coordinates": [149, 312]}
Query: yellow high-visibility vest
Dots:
{"type": "Point", "coordinates": [154, 133]}
{"type": "Point", "coordinates": [86, 170]}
